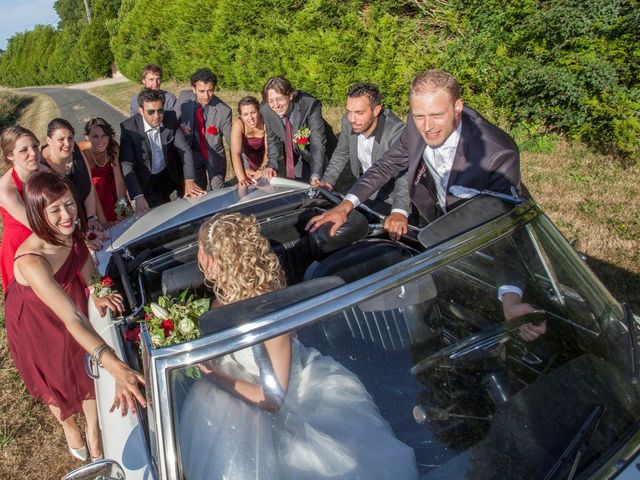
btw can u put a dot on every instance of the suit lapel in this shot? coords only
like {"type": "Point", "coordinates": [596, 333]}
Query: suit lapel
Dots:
{"type": "Point", "coordinates": [378, 137]}
{"type": "Point", "coordinates": [146, 144]}
{"type": "Point", "coordinates": [353, 153]}
{"type": "Point", "coordinates": [296, 117]}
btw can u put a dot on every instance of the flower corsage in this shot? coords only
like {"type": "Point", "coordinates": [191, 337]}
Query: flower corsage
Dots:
{"type": "Point", "coordinates": [301, 137]}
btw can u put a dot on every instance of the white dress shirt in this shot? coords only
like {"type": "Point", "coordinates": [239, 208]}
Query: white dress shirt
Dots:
{"type": "Point", "coordinates": [365, 150]}
{"type": "Point", "coordinates": [158, 163]}
{"type": "Point", "coordinates": [439, 162]}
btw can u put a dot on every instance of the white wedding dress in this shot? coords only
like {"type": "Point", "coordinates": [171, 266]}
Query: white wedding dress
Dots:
{"type": "Point", "coordinates": [327, 427]}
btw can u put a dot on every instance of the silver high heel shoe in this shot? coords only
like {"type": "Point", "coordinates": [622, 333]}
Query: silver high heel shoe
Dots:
{"type": "Point", "coordinates": [81, 453]}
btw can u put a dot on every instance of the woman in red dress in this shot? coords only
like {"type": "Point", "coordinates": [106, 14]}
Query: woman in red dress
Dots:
{"type": "Point", "coordinates": [248, 141]}
{"type": "Point", "coordinates": [20, 150]}
{"type": "Point", "coordinates": [102, 152]}
{"type": "Point", "coordinates": [46, 315]}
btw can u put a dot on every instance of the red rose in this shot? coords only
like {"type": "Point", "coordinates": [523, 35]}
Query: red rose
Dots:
{"type": "Point", "coordinates": [133, 335]}
{"type": "Point", "coordinates": [91, 236]}
{"type": "Point", "coordinates": [146, 317]}
{"type": "Point", "coordinates": [212, 130]}
{"type": "Point", "coordinates": [168, 327]}
{"type": "Point", "coordinates": [106, 281]}
{"type": "Point", "coordinates": [303, 141]}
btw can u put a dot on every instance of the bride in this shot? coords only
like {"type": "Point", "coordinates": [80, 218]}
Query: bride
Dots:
{"type": "Point", "coordinates": [277, 409]}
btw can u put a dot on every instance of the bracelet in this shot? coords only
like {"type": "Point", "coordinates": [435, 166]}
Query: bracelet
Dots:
{"type": "Point", "coordinates": [90, 217]}
{"type": "Point", "coordinates": [98, 352]}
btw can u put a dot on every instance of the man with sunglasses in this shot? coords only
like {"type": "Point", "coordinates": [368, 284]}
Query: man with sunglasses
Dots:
{"type": "Point", "coordinates": [152, 151]}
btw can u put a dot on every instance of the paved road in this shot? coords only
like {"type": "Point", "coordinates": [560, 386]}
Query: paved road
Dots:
{"type": "Point", "coordinates": [78, 106]}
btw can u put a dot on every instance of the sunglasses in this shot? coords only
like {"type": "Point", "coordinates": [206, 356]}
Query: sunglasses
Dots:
{"type": "Point", "coordinates": [159, 111]}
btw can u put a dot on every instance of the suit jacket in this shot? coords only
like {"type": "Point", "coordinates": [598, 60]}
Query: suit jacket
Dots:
{"type": "Point", "coordinates": [135, 152]}
{"type": "Point", "coordinates": [169, 102]}
{"type": "Point", "coordinates": [387, 131]}
{"type": "Point", "coordinates": [486, 158]}
{"type": "Point", "coordinates": [216, 113]}
{"type": "Point", "coordinates": [306, 111]}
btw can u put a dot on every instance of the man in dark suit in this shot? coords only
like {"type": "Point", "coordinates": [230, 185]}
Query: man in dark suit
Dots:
{"type": "Point", "coordinates": [296, 133]}
{"type": "Point", "coordinates": [367, 132]}
{"type": "Point", "coordinates": [444, 144]}
{"type": "Point", "coordinates": [205, 120]}
{"type": "Point", "coordinates": [151, 77]}
{"type": "Point", "coordinates": [152, 150]}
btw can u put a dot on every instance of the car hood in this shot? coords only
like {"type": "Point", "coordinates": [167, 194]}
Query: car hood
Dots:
{"type": "Point", "coordinates": [184, 210]}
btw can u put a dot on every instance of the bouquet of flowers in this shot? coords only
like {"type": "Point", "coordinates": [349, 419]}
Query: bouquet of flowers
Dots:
{"type": "Point", "coordinates": [123, 209]}
{"type": "Point", "coordinates": [301, 137]}
{"type": "Point", "coordinates": [174, 320]}
{"type": "Point", "coordinates": [101, 285]}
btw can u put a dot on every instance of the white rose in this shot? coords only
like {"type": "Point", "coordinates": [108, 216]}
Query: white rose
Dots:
{"type": "Point", "coordinates": [186, 326]}
{"type": "Point", "coordinates": [160, 312]}
{"type": "Point", "coordinates": [156, 340]}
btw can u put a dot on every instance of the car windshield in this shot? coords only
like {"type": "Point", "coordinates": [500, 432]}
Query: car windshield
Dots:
{"type": "Point", "coordinates": [426, 379]}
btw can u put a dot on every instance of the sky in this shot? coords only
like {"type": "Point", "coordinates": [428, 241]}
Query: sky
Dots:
{"type": "Point", "coordinates": [21, 15]}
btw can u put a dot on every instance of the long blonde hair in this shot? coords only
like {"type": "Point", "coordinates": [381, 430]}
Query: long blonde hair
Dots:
{"type": "Point", "coordinates": [245, 266]}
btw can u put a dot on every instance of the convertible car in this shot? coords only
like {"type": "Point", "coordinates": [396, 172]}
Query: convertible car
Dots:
{"type": "Point", "coordinates": [419, 325]}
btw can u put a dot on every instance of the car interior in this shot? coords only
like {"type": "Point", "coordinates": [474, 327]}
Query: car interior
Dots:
{"type": "Point", "coordinates": [492, 404]}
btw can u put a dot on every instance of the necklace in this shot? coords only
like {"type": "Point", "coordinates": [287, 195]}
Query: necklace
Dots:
{"type": "Point", "coordinates": [95, 161]}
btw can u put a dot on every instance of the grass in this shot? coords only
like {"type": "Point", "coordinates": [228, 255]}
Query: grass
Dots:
{"type": "Point", "coordinates": [593, 199]}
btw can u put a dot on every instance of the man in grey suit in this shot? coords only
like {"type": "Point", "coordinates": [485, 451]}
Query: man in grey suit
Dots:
{"type": "Point", "coordinates": [296, 133]}
{"type": "Point", "coordinates": [205, 120]}
{"type": "Point", "coordinates": [445, 144]}
{"type": "Point", "coordinates": [152, 150]}
{"type": "Point", "coordinates": [367, 132]}
{"type": "Point", "coordinates": [151, 77]}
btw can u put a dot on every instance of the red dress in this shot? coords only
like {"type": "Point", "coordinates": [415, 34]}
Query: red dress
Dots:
{"type": "Point", "coordinates": [13, 234]}
{"type": "Point", "coordinates": [105, 184]}
{"type": "Point", "coordinates": [48, 358]}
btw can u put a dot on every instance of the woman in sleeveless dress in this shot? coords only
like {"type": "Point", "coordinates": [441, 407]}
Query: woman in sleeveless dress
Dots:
{"type": "Point", "coordinates": [101, 152]}
{"type": "Point", "coordinates": [248, 141]}
{"type": "Point", "coordinates": [46, 315]}
{"type": "Point", "coordinates": [19, 148]}
{"type": "Point", "coordinates": [61, 155]}
{"type": "Point", "coordinates": [277, 409]}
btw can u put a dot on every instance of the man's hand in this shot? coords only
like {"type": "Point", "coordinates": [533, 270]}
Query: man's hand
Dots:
{"type": "Point", "coordinates": [396, 225]}
{"type": "Point", "coordinates": [326, 185]}
{"type": "Point", "coordinates": [337, 216]}
{"type": "Point", "coordinates": [315, 182]}
{"type": "Point", "coordinates": [514, 307]}
{"type": "Point", "coordinates": [191, 189]}
{"type": "Point", "coordinates": [269, 173]}
{"type": "Point", "coordinates": [140, 204]}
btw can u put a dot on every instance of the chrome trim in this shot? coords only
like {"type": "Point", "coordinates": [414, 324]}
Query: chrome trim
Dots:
{"type": "Point", "coordinates": [163, 360]}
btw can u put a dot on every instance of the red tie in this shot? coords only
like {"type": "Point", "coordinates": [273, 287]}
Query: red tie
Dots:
{"type": "Point", "coordinates": [288, 148]}
{"type": "Point", "coordinates": [200, 124]}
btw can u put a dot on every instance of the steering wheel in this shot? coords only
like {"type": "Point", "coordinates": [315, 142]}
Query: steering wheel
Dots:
{"type": "Point", "coordinates": [487, 339]}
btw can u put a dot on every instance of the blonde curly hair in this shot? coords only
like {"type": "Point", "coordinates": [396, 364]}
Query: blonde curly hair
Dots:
{"type": "Point", "coordinates": [245, 266]}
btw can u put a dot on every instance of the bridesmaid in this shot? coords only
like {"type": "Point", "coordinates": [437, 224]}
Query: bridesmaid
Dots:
{"type": "Point", "coordinates": [102, 152]}
{"type": "Point", "coordinates": [46, 316]}
{"type": "Point", "coordinates": [61, 156]}
{"type": "Point", "coordinates": [248, 141]}
{"type": "Point", "coordinates": [19, 148]}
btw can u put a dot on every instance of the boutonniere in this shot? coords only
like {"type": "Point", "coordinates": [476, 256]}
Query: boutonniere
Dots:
{"type": "Point", "coordinates": [301, 137]}
{"type": "Point", "coordinates": [212, 130]}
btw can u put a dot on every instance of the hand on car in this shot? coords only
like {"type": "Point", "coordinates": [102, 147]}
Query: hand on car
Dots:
{"type": "Point", "coordinates": [127, 390]}
{"type": "Point", "coordinates": [337, 216]}
{"type": "Point", "coordinates": [269, 173]}
{"type": "Point", "coordinates": [112, 302]}
{"type": "Point", "coordinates": [396, 225]}
{"type": "Point", "coordinates": [191, 189]}
{"type": "Point", "coordinates": [140, 204]}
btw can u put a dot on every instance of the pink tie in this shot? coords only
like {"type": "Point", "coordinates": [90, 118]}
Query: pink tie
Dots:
{"type": "Point", "coordinates": [288, 148]}
{"type": "Point", "coordinates": [200, 125]}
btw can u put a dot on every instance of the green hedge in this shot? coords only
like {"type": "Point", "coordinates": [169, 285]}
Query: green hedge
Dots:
{"type": "Point", "coordinates": [535, 66]}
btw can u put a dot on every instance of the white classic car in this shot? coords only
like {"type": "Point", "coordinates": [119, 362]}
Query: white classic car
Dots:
{"type": "Point", "coordinates": [417, 322]}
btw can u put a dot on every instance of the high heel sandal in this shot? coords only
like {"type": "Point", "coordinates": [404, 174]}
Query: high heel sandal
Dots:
{"type": "Point", "coordinates": [81, 453]}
